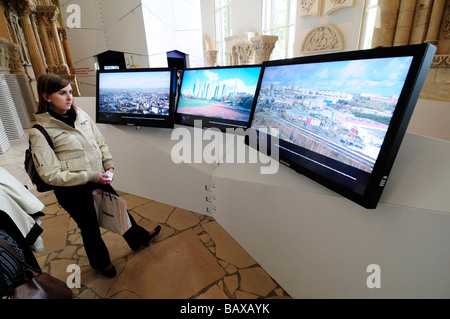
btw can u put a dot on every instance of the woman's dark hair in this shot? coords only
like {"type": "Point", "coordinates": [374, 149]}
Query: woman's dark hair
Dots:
{"type": "Point", "coordinates": [49, 83]}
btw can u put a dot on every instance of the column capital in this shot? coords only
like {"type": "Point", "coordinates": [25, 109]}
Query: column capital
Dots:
{"type": "Point", "coordinates": [231, 46]}
{"type": "Point", "coordinates": [264, 45]}
{"type": "Point", "coordinates": [60, 69]}
{"type": "Point", "coordinates": [50, 12]}
{"type": "Point", "coordinates": [26, 6]}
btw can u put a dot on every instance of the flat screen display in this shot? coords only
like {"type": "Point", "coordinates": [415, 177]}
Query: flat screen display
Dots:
{"type": "Point", "coordinates": [340, 118]}
{"type": "Point", "coordinates": [221, 97]}
{"type": "Point", "coordinates": [140, 97]}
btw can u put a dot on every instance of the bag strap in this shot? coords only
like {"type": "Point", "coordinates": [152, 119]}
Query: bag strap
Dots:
{"type": "Point", "coordinates": [106, 194]}
{"type": "Point", "coordinates": [11, 250]}
{"type": "Point", "coordinates": [44, 132]}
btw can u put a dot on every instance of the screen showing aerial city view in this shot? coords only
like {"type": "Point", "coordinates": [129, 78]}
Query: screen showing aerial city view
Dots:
{"type": "Point", "coordinates": [225, 93]}
{"type": "Point", "coordinates": [135, 92]}
{"type": "Point", "coordinates": [340, 109]}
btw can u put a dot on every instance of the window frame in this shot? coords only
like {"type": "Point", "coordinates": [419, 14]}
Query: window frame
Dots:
{"type": "Point", "coordinates": [370, 8]}
{"type": "Point", "coordinates": [220, 32]}
{"type": "Point", "coordinates": [288, 26]}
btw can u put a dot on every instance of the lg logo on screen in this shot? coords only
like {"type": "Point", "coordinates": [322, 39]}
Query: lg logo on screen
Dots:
{"type": "Point", "coordinates": [74, 18]}
{"type": "Point", "coordinates": [374, 279]}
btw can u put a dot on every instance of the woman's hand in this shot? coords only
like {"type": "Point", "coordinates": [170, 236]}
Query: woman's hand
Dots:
{"type": "Point", "coordinates": [104, 178]}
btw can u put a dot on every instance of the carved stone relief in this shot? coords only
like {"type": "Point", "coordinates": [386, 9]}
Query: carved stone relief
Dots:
{"type": "Point", "coordinates": [309, 7]}
{"type": "Point", "coordinates": [245, 52]}
{"type": "Point", "coordinates": [333, 5]}
{"type": "Point", "coordinates": [4, 56]}
{"type": "Point", "coordinates": [249, 48]}
{"type": "Point", "coordinates": [441, 61]}
{"type": "Point", "coordinates": [323, 38]}
{"type": "Point", "coordinates": [15, 59]}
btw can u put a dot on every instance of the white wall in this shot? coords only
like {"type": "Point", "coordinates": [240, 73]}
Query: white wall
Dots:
{"type": "Point", "coordinates": [208, 22]}
{"type": "Point", "coordinates": [431, 118]}
{"type": "Point", "coordinates": [173, 25]}
{"type": "Point", "coordinates": [188, 30]}
{"type": "Point", "coordinates": [246, 16]}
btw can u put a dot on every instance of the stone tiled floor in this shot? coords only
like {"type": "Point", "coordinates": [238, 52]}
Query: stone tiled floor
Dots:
{"type": "Point", "coordinates": [193, 256]}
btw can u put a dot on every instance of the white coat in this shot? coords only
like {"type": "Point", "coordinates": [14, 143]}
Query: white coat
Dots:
{"type": "Point", "coordinates": [19, 203]}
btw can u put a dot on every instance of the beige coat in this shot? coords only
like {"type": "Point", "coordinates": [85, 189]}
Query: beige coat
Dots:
{"type": "Point", "coordinates": [79, 154]}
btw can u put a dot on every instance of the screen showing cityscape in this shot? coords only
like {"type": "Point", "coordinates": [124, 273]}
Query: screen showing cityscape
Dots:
{"type": "Point", "coordinates": [135, 97]}
{"type": "Point", "coordinates": [220, 97]}
{"type": "Point", "coordinates": [338, 117]}
{"type": "Point", "coordinates": [341, 109]}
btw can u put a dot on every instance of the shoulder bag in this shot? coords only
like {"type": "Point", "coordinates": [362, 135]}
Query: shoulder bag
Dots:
{"type": "Point", "coordinates": [30, 167]}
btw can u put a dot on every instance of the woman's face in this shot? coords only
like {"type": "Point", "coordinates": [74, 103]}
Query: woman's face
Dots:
{"type": "Point", "coordinates": [61, 100]}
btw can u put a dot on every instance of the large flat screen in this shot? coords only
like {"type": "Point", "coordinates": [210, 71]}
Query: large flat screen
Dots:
{"type": "Point", "coordinates": [139, 97]}
{"type": "Point", "coordinates": [340, 118]}
{"type": "Point", "coordinates": [220, 97]}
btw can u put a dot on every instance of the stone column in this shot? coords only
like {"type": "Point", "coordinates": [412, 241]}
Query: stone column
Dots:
{"type": "Point", "coordinates": [45, 41]}
{"type": "Point", "coordinates": [210, 58]}
{"type": "Point", "coordinates": [38, 39]}
{"type": "Point", "coordinates": [404, 22]}
{"type": "Point", "coordinates": [384, 36]}
{"type": "Point", "coordinates": [46, 2]}
{"type": "Point", "coordinates": [67, 51]}
{"type": "Point", "coordinates": [444, 35]}
{"type": "Point", "coordinates": [55, 34]}
{"type": "Point", "coordinates": [421, 20]}
{"type": "Point", "coordinates": [263, 45]}
{"type": "Point", "coordinates": [435, 21]}
{"type": "Point", "coordinates": [33, 48]}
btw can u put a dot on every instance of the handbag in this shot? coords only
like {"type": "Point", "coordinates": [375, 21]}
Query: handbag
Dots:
{"type": "Point", "coordinates": [111, 212]}
{"type": "Point", "coordinates": [30, 167]}
{"type": "Point", "coordinates": [36, 284]}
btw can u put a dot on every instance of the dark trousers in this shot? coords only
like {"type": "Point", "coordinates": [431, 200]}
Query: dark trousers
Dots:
{"type": "Point", "coordinates": [79, 203]}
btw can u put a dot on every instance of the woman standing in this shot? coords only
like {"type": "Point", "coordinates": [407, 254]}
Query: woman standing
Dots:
{"type": "Point", "coordinates": [76, 166]}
